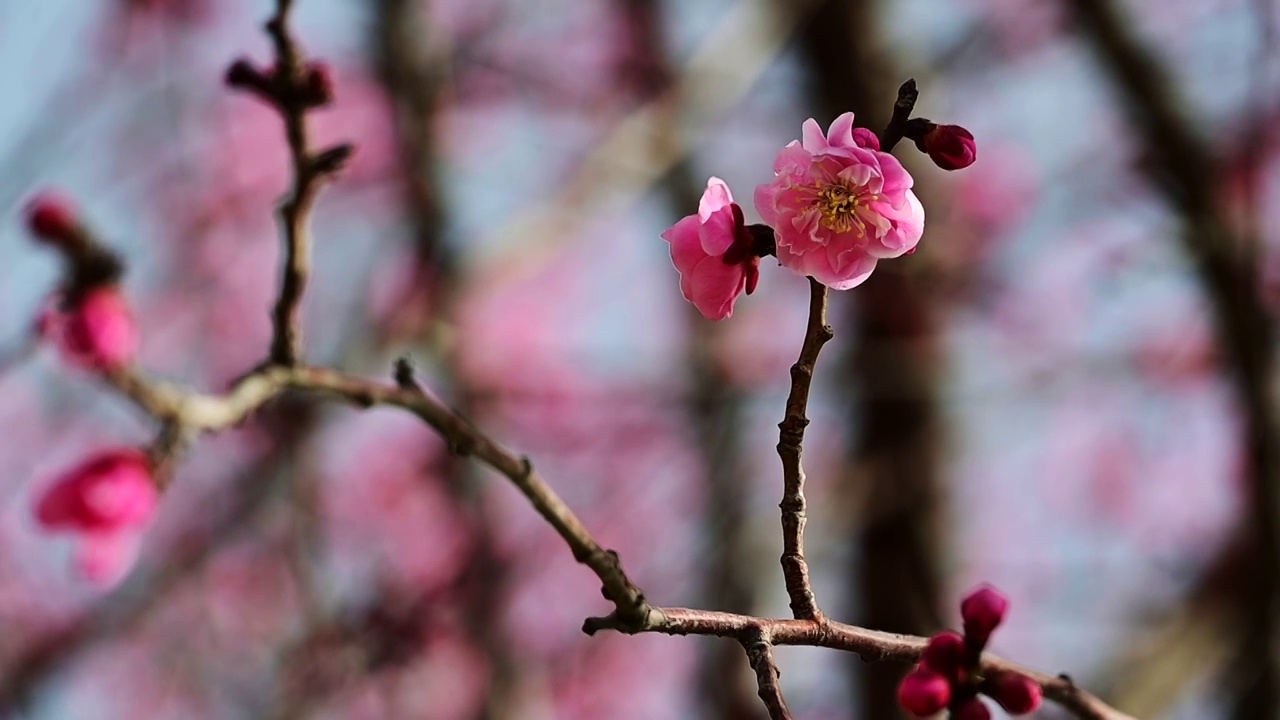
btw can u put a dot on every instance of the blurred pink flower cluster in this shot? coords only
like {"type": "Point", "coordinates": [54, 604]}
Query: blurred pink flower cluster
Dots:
{"type": "Point", "coordinates": [110, 498]}
{"type": "Point", "coordinates": [107, 501]}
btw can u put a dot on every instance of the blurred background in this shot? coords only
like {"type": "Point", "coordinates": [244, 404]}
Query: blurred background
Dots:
{"type": "Point", "coordinates": [1067, 392]}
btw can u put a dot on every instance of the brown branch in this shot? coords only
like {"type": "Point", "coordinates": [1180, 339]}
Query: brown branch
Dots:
{"type": "Point", "coordinates": [310, 170]}
{"type": "Point", "coordinates": [870, 645]}
{"type": "Point", "coordinates": [902, 109]}
{"type": "Point", "coordinates": [632, 613]}
{"type": "Point", "coordinates": [795, 569]}
{"type": "Point", "coordinates": [760, 655]}
{"type": "Point", "coordinates": [206, 413]}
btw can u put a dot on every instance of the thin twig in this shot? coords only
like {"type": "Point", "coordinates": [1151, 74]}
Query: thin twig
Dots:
{"type": "Point", "coordinates": [902, 109]}
{"type": "Point", "coordinates": [795, 569]}
{"type": "Point", "coordinates": [760, 655]}
{"type": "Point", "coordinates": [309, 174]}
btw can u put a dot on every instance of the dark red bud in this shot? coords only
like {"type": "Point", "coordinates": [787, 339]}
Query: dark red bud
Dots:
{"type": "Point", "coordinates": [924, 692]}
{"type": "Point", "coordinates": [1017, 694]}
{"type": "Point", "coordinates": [951, 147]}
{"type": "Point", "coordinates": [972, 709]}
{"type": "Point", "coordinates": [945, 653]}
{"type": "Point", "coordinates": [52, 218]}
{"type": "Point", "coordinates": [982, 611]}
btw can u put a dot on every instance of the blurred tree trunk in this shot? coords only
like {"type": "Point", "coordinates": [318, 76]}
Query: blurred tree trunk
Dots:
{"type": "Point", "coordinates": [1182, 166]}
{"type": "Point", "coordinates": [413, 71]}
{"type": "Point", "coordinates": [714, 405]}
{"type": "Point", "coordinates": [892, 484]}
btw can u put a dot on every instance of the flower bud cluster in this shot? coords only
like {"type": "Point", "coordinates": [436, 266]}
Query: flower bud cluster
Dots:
{"type": "Point", "coordinates": [950, 674]}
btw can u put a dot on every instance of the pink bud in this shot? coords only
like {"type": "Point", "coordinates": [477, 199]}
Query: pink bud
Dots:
{"type": "Point", "coordinates": [982, 611]}
{"type": "Point", "coordinates": [924, 692]}
{"type": "Point", "coordinates": [52, 218]}
{"type": "Point", "coordinates": [951, 147]}
{"type": "Point", "coordinates": [110, 492]}
{"type": "Point", "coordinates": [945, 653]}
{"type": "Point", "coordinates": [972, 709]}
{"type": "Point", "coordinates": [97, 332]}
{"type": "Point", "coordinates": [865, 138]}
{"type": "Point", "coordinates": [1017, 694]}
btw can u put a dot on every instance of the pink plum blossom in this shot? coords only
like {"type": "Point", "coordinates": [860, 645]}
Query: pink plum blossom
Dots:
{"type": "Point", "coordinates": [713, 251]}
{"type": "Point", "coordinates": [107, 501]}
{"type": "Point", "coordinates": [838, 205]}
{"type": "Point", "coordinates": [97, 331]}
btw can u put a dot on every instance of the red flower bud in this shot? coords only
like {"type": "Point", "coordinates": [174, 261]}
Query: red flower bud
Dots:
{"type": "Point", "coordinates": [52, 218]}
{"type": "Point", "coordinates": [111, 491]}
{"type": "Point", "coordinates": [972, 709]}
{"type": "Point", "coordinates": [945, 653]}
{"type": "Point", "coordinates": [982, 611]}
{"type": "Point", "coordinates": [97, 332]}
{"type": "Point", "coordinates": [924, 692]}
{"type": "Point", "coordinates": [1017, 694]}
{"type": "Point", "coordinates": [951, 147]}
{"type": "Point", "coordinates": [317, 85]}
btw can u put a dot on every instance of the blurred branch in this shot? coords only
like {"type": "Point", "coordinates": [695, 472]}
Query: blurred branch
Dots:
{"type": "Point", "coordinates": [795, 570]}
{"type": "Point", "coordinates": [714, 401]}
{"type": "Point", "coordinates": [310, 170]}
{"type": "Point", "coordinates": [1184, 169]}
{"type": "Point", "coordinates": [413, 67]}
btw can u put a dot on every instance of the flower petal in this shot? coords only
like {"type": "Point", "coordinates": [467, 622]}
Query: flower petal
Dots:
{"type": "Point", "coordinates": [811, 136]}
{"type": "Point", "coordinates": [715, 286]}
{"type": "Point", "coordinates": [716, 196]}
{"type": "Point", "coordinates": [840, 134]}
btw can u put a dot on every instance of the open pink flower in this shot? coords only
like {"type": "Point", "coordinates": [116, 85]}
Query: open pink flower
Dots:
{"type": "Point", "coordinates": [713, 250]}
{"type": "Point", "coordinates": [96, 331]}
{"type": "Point", "coordinates": [838, 204]}
{"type": "Point", "coordinates": [107, 501]}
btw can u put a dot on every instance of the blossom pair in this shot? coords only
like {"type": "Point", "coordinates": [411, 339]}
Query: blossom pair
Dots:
{"type": "Point", "coordinates": [950, 674]}
{"type": "Point", "coordinates": [836, 206]}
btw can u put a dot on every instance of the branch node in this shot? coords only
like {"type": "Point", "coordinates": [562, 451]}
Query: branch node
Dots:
{"type": "Point", "coordinates": [404, 372]}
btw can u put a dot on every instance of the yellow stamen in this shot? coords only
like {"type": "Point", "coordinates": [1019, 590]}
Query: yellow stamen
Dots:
{"type": "Point", "coordinates": [839, 205]}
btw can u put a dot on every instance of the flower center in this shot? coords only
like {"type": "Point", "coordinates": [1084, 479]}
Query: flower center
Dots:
{"type": "Point", "coordinates": [839, 205]}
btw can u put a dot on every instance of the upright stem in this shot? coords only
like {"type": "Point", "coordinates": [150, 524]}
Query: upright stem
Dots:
{"type": "Point", "coordinates": [795, 569]}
